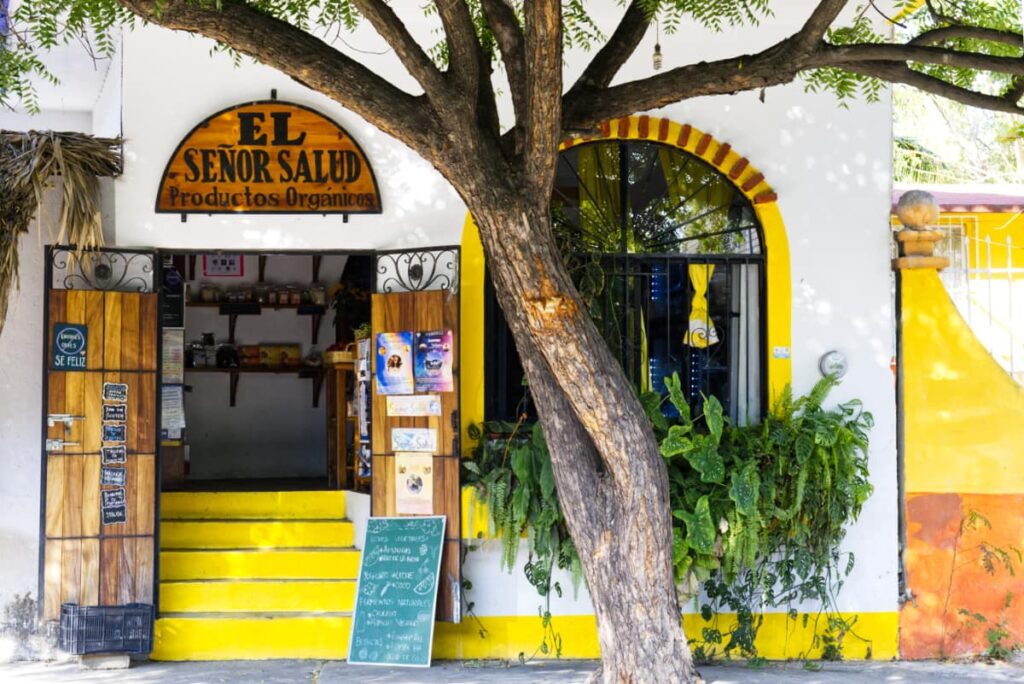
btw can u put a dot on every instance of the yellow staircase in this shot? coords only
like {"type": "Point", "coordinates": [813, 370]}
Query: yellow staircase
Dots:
{"type": "Point", "coordinates": [254, 576]}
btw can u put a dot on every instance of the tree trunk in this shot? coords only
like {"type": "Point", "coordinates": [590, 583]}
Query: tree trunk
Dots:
{"type": "Point", "coordinates": [612, 482]}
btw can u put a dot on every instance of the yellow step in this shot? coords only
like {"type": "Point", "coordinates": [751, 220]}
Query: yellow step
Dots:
{"type": "Point", "coordinates": [201, 564]}
{"type": "Point", "coordinates": [254, 534]}
{"type": "Point", "coordinates": [260, 596]}
{"type": "Point", "coordinates": [233, 505]}
{"type": "Point", "coordinates": [252, 637]}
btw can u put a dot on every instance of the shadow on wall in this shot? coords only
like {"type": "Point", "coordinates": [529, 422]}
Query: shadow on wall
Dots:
{"type": "Point", "coordinates": [964, 478]}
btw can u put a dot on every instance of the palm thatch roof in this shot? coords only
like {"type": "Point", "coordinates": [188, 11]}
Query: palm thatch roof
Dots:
{"type": "Point", "coordinates": [28, 164]}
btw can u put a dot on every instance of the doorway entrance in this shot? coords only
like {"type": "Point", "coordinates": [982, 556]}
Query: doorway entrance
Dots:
{"type": "Point", "coordinates": [266, 396]}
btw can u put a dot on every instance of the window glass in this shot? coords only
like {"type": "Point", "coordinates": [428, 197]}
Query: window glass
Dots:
{"type": "Point", "coordinates": [667, 256]}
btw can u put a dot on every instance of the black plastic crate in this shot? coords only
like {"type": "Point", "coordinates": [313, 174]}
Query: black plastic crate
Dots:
{"type": "Point", "coordinates": [106, 629]}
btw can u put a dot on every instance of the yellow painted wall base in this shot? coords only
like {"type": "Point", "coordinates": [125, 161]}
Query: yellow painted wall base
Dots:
{"type": "Point", "coordinates": [875, 636]}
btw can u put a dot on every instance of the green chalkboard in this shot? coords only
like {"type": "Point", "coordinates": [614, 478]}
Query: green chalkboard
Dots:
{"type": "Point", "coordinates": [397, 592]}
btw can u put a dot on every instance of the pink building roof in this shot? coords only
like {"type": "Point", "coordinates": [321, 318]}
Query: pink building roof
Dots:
{"type": "Point", "coordinates": [968, 198]}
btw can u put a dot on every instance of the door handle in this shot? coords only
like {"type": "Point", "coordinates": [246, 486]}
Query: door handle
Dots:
{"type": "Point", "coordinates": [66, 418]}
{"type": "Point", "coordinates": [59, 444]}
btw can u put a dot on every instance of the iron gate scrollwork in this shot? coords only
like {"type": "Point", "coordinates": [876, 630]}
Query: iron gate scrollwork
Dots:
{"type": "Point", "coordinates": [418, 270]}
{"type": "Point", "coordinates": [106, 269]}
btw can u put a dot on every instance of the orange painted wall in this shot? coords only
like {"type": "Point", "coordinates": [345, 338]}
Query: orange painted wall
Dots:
{"type": "Point", "coordinates": [945, 574]}
{"type": "Point", "coordinates": [963, 452]}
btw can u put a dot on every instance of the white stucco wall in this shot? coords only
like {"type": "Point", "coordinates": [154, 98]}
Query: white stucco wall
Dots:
{"type": "Point", "coordinates": [829, 165]}
{"type": "Point", "coordinates": [21, 419]}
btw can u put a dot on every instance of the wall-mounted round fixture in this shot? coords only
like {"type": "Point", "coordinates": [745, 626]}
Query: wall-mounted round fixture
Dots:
{"type": "Point", "coordinates": [833, 363]}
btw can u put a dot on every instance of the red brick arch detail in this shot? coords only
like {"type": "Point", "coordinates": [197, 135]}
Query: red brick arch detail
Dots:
{"type": "Point", "coordinates": [718, 154]}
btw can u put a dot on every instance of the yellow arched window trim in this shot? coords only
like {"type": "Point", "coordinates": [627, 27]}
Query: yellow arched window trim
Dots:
{"type": "Point", "coordinates": [734, 166]}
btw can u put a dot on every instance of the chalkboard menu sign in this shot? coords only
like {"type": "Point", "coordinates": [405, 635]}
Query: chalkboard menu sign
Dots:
{"type": "Point", "coordinates": [397, 592]}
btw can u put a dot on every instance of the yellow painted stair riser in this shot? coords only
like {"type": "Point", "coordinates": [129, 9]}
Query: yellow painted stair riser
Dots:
{"type": "Point", "coordinates": [241, 505]}
{"type": "Point", "coordinates": [251, 638]}
{"type": "Point", "coordinates": [259, 564]}
{"type": "Point", "coordinates": [266, 596]}
{"type": "Point", "coordinates": [255, 534]}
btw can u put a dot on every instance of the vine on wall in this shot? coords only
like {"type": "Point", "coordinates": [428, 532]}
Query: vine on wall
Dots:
{"type": "Point", "coordinates": [759, 511]}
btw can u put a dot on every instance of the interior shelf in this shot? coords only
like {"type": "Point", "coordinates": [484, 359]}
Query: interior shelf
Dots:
{"type": "Point", "coordinates": [235, 309]}
{"type": "Point", "coordinates": [313, 373]}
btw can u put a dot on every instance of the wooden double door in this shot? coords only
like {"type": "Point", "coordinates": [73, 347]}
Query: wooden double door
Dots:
{"type": "Point", "coordinates": [99, 457]}
{"type": "Point", "coordinates": [100, 464]}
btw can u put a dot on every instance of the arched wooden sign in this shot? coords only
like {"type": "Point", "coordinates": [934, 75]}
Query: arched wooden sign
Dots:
{"type": "Point", "coordinates": [268, 157]}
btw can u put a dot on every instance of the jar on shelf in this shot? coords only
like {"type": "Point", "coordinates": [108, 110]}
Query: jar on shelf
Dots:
{"type": "Point", "coordinates": [317, 295]}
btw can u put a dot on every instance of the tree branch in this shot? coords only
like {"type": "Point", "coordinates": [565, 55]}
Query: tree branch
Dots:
{"type": "Point", "coordinates": [819, 22]}
{"type": "Point", "coordinates": [777, 65]}
{"type": "Point", "coordinates": [306, 59]}
{"type": "Point", "coordinates": [393, 31]}
{"type": "Point", "coordinates": [901, 73]}
{"type": "Point", "coordinates": [1015, 91]}
{"type": "Point", "coordinates": [543, 50]}
{"type": "Point", "coordinates": [509, 36]}
{"type": "Point", "coordinates": [619, 48]}
{"type": "Point", "coordinates": [945, 33]}
{"type": "Point", "coordinates": [463, 47]}
{"type": "Point", "coordinates": [879, 52]}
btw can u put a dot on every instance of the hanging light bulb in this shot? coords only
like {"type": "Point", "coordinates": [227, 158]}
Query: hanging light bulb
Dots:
{"type": "Point", "coordinates": [657, 45]}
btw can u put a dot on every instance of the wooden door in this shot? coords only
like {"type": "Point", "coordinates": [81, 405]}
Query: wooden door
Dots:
{"type": "Point", "coordinates": [100, 476]}
{"type": "Point", "coordinates": [435, 310]}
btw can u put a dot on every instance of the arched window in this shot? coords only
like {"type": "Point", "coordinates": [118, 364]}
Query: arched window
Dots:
{"type": "Point", "coordinates": [667, 254]}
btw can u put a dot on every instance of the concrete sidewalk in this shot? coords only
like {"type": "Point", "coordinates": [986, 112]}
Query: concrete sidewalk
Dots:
{"type": "Point", "coordinates": [291, 671]}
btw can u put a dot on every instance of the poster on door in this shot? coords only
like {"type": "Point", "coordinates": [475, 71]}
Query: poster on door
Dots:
{"type": "Point", "coordinates": [394, 363]}
{"type": "Point", "coordinates": [414, 484]}
{"type": "Point", "coordinates": [434, 355]}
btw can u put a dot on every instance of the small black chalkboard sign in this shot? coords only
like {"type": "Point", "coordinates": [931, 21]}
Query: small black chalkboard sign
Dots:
{"type": "Point", "coordinates": [114, 515]}
{"type": "Point", "coordinates": [113, 454]}
{"type": "Point", "coordinates": [115, 412]}
{"type": "Point", "coordinates": [113, 476]}
{"type": "Point", "coordinates": [393, 622]}
{"type": "Point", "coordinates": [113, 432]}
{"type": "Point", "coordinates": [115, 391]}
{"type": "Point", "coordinates": [113, 508]}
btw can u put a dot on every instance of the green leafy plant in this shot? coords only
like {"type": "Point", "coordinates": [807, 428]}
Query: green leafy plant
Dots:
{"type": "Point", "coordinates": [761, 509]}
{"type": "Point", "coordinates": [511, 470]}
{"type": "Point", "coordinates": [992, 558]}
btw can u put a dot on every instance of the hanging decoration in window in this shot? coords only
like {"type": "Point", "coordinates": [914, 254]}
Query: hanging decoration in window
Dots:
{"type": "Point", "coordinates": [702, 332]}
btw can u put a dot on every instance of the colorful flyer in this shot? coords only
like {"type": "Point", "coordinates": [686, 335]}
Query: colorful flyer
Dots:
{"type": "Point", "coordinates": [394, 363]}
{"type": "Point", "coordinates": [413, 439]}
{"type": "Point", "coordinates": [434, 355]}
{"type": "Point", "coordinates": [413, 405]}
{"type": "Point", "coordinates": [414, 484]}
